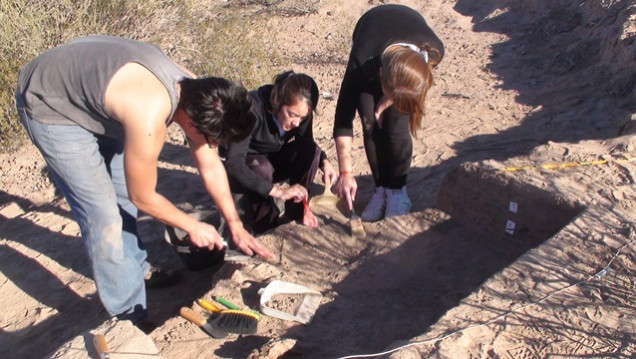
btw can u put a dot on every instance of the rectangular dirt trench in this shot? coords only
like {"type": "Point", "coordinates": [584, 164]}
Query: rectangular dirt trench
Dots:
{"type": "Point", "coordinates": [511, 213]}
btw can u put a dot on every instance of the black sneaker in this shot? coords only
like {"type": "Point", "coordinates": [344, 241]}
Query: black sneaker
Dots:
{"type": "Point", "coordinates": [161, 278]}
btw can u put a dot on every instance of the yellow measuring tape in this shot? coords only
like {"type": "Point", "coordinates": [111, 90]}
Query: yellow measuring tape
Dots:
{"type": "Point", "coordinates": [558, 166]}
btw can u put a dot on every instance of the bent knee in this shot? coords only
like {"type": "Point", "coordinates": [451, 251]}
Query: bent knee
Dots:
{"type": "Point", "coordinates": [108, 241]}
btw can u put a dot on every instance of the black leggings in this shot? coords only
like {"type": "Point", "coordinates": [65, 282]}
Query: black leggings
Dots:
{"type": "Point", "coordinates": [389, 149]}
{"type": "Point", "coordinates": [297, 161]}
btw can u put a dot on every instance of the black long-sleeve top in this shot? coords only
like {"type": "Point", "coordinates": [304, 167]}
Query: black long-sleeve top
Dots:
{"type": "Point", "coordinates": [264, 139]}
{"type": "Point", "coordinates": [375, 31]}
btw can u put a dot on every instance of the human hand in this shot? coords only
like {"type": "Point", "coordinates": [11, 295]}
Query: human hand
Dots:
{"type": "Point", "coordinates": [346, 187]}
{"type": "Point", "coordinates": [204, 235]}
{"type": "Point", "coordinates": [309, 219]}
{"type": "Point", "coordinates": [248, 244]}
{"type": "Point", "coordinates": [329, 173]}
{"type": "Point", "coordinates": [295, 192]}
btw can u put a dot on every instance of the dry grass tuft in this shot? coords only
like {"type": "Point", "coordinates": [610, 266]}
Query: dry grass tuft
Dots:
{"type": "Point", "coordinates": [206, 37]}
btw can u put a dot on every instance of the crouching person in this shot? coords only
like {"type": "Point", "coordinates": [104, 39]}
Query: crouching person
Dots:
{"type": "Point", "coordinates": [98, 109]}
{"type": "Point", "coordinates": [281, 147]}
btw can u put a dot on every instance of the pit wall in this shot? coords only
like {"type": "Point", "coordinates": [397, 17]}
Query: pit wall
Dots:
{"type": "Point", "coordinates": [554, 280]}
{"type": "Point", "coordinates": [511, 212]}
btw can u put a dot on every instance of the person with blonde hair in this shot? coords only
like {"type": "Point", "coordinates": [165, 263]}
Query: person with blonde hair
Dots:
{"type": "Point", "coordinates": [389, 73]}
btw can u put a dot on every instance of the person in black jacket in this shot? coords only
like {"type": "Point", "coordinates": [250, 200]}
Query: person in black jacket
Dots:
{"type": "Point", "coordinates": [280, 148]}
{"type": "Point", "coordinates": [388, 75]}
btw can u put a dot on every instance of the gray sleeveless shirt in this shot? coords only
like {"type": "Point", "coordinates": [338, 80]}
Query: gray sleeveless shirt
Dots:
{"type": "Point", "coordinates": [66, 85]}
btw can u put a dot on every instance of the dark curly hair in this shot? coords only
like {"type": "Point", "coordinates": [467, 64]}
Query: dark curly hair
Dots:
{"type": "Point", "coordinates": [220, 109]}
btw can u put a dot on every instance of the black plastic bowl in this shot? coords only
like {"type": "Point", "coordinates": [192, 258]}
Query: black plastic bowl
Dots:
{"type": "Point", "coordinates": [193, 257]}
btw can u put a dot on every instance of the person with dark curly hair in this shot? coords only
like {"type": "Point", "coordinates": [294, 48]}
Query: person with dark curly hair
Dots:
{"type": "Point", "coordinates": [389, 73]}
{"type": "Point", "coordinates": [281, 147]}
{"type": "Point", "coordinates": [98, 109]}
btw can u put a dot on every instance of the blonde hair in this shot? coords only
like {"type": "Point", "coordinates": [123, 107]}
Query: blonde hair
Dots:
{"type": "Point", "coordinates": [407, 76]}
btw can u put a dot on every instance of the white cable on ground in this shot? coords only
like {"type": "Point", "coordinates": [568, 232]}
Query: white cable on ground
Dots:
{"type": "Point", "coordinates": [600, 274]}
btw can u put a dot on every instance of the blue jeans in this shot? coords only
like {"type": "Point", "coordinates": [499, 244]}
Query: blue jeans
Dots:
{"type": "Point", "coordinates": [89, 170]}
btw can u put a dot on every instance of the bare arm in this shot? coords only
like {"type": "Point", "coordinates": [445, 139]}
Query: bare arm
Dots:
{"type": "Point", "coordinates": [215, 182]}
{"type": "Point", "coordinates": [346, 185]}
{"type": "Point", "coordinates": [140, 161]}
{"type": "Point", "coordinates": [140, 102]}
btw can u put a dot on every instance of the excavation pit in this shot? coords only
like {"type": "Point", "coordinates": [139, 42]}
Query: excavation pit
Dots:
{"type": "Point", "coordinates": [502, 210]}
{"type": "Point", "coordinates": [394, 285]}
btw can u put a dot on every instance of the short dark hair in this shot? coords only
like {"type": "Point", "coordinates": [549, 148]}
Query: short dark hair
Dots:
{"type": "Point", "coordinates": [219, 108]}
{"type": "Point", "coordinates": [290, 88]}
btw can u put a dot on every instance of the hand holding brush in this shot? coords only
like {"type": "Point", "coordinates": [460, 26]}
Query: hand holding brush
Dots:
{"type": "Point", "coordinates": [309, 219]}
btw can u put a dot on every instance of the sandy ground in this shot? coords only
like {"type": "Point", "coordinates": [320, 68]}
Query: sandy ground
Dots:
{"type": "Point", "coordinates": [520, 243]}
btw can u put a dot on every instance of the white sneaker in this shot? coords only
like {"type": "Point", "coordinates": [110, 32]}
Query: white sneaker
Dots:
{"type": "Point", "coordinates": [397, 202]}
{"type": "Point", "coordinates": [375, 209]}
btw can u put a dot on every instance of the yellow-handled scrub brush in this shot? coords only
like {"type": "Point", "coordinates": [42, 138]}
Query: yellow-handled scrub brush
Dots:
{"type": "Point", "coordinates": [232, 320]}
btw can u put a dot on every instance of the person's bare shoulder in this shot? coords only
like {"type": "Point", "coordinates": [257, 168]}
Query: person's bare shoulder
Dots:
{"type": "Point", "coordinates": [135, 96]}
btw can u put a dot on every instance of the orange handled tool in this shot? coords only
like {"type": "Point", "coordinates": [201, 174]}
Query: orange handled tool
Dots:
{"type": "Point", "coordinates": [305, 204]}
{"type": "Point", "coordinates": [207, 325]}
{"type": "Point", "coordinates": [101, 347]}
